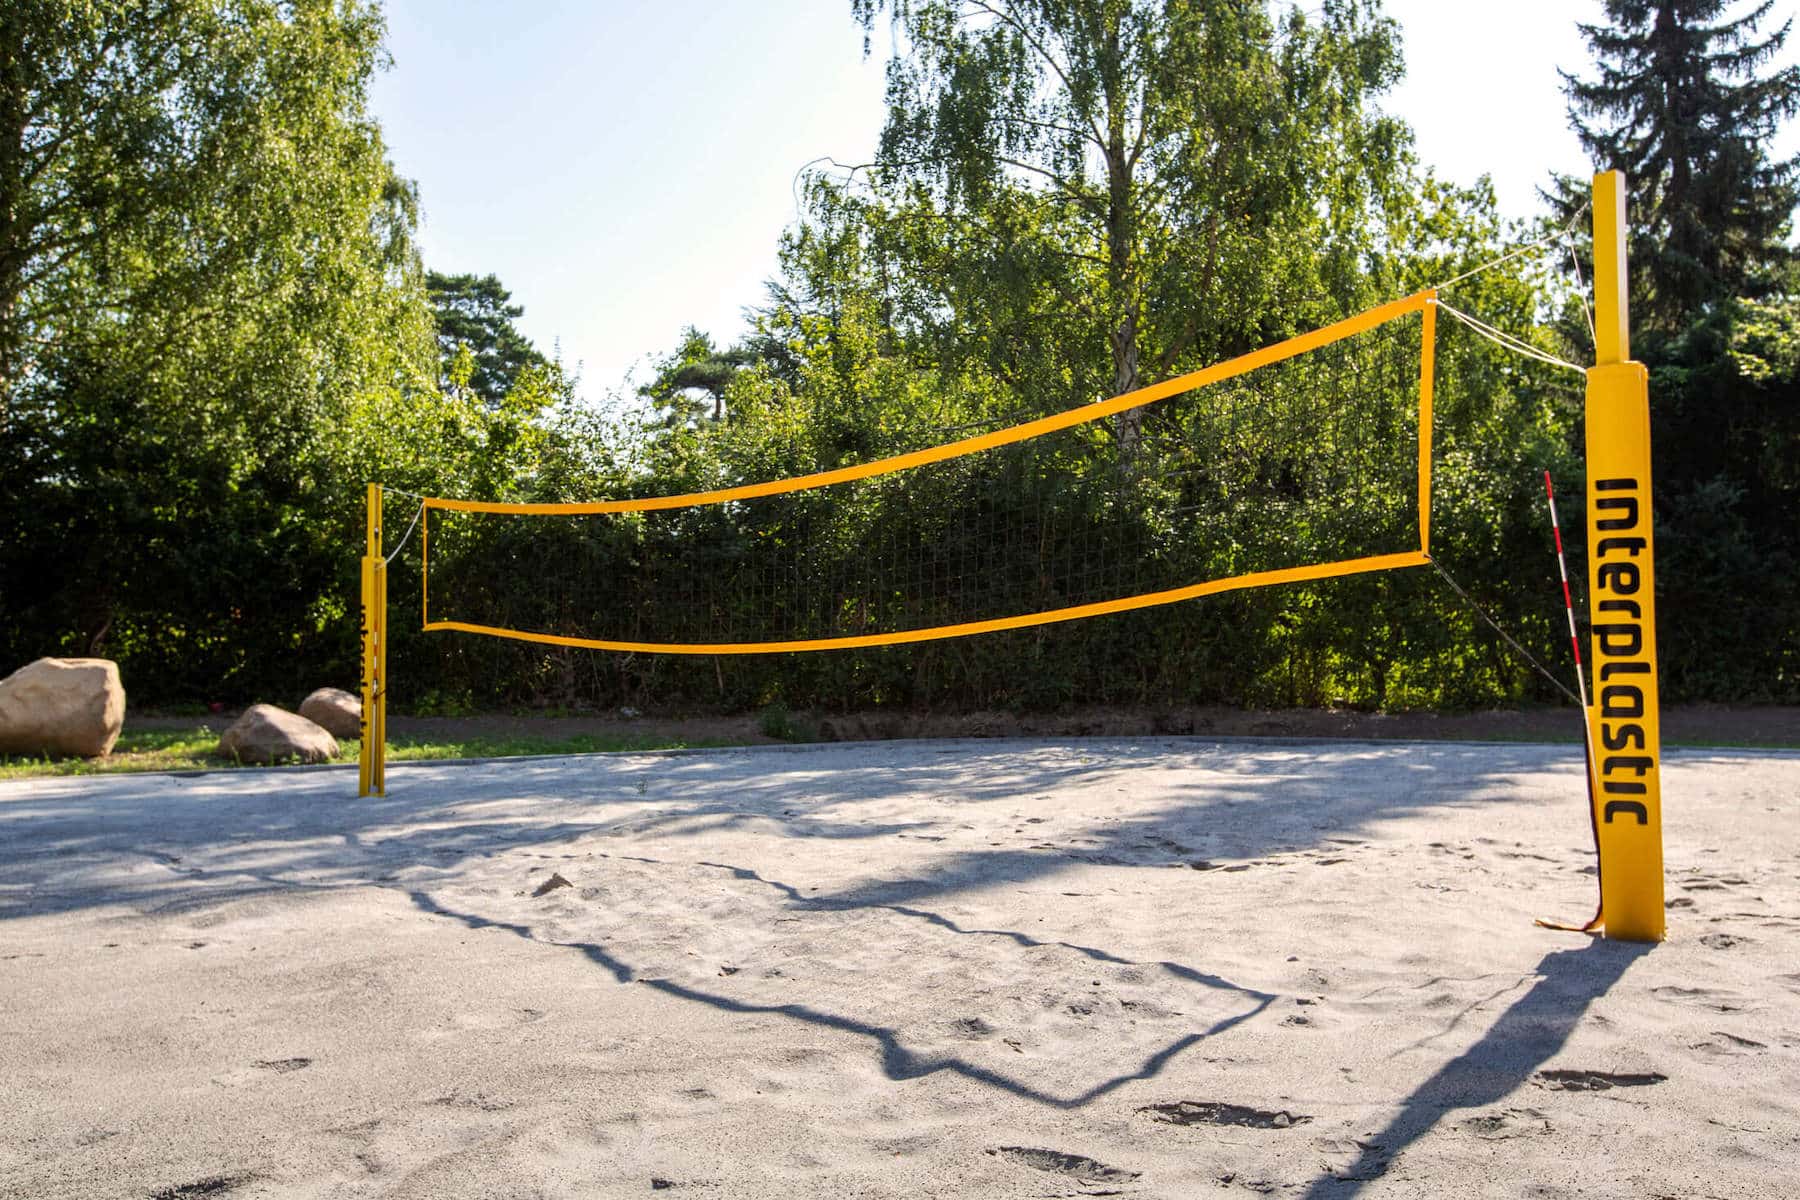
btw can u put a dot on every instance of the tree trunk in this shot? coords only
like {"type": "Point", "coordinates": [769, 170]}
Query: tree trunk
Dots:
{"type": "Point", "coordinates": [1121, 258]}
{"type": "Point", "coordinates": [12, 183]}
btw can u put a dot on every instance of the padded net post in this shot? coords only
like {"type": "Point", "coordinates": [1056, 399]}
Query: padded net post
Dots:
{"type": "Point", "coordinates": [372, 763]}
{"type": "Point", "coordinates": [1625, 717]}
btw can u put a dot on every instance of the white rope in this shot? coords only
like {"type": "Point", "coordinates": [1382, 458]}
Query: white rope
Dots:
{"type": "Point", "coordinates": [1508, 341]}
{"type": "Point", "coordinates": [408, 495]}
{"type": "Point", "coordinates": [415, 521]}
{"type": "Point", "coordinates": [1510, 640]}
{"type": "Point", "coordinates": [1525, 249]}
{"type": "Point", "coordinates": [1581, 290]}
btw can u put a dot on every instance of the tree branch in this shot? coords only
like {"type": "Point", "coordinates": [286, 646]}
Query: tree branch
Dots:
{"type": "Point", "coordinates": [1008, 18]}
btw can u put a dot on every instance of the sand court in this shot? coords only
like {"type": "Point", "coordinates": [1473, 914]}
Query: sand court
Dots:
{"type": "Point", "coordinates": [1148, 967]}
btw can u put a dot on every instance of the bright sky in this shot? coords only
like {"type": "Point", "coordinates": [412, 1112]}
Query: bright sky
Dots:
{"type": "Point", "coordinates": [626, 167]}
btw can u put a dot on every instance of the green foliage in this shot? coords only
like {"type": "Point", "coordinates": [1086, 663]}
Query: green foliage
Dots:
{"type": "Point", "coordinates": [479, 348]}
{"type": "Point", "coordinates": [214, 329]}
{"type": "Point", "coordinates": [217, 267]}
{"type": "Point", "coordinates": [1684, 99]}
{"type": "Point", "coordinates": [777, 722]}
{"type": "Point", "coordinates": [1681, 101]}
{"type": "Point", "coordinates": [1165, 184]}
{"type": "Point", "coordinates": [691, 383]}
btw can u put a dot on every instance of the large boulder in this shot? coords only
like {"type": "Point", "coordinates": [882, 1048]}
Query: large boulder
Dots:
{"type": "Point", "coordinates": [62, 707]}
{"type": "Point", "coordinates": [335, 711]}
{"type": "Point", "coordinates": [266, 734]}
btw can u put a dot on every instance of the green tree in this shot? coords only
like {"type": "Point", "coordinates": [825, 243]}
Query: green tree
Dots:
{"type": "Point", "coordinates": [1682, 101]}
{"type": "Point", "coordinates": [475, 314]}
{"type": "Point", "coordinates": [210, 274]}
{"type": "Point", "coordinates": [1176, 181]}
{"type": "Point", "coordinates": [86, 145]}
{"type": "Point", "coordinates": [692, 378]}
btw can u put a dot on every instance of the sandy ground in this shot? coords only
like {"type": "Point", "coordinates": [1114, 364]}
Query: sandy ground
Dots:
{"type": "Point", "coordinates": [1158, 967]}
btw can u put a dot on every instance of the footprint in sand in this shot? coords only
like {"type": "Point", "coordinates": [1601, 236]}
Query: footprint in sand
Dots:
{"type": "Point", "coordinates": [1209, 1112]}
{"type": "Point", "coordinates": [1593, 1081]}
{"type": "Point", "coordinates": [216, 1185]}
{"type": "Point", "coordinates": [1722, 1044]}
{"type": "Point", "coordinates": [1514, 1122]}
{"type": "Point", "coordinates": [281, 1066]}
{"type": "Point", "coordinates": [551, 884]}
{"type": "Point", "coordinates": [1714, 999]}
{"type": "Point", "coordinates": [479, 1101]}
{"type": "Point", "coordinates": [1075, 1166]}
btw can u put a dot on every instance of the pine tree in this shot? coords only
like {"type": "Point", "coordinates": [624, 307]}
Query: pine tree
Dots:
{"type": "Point", "coordinates": [1679, 103]}
{"type": "Point", "coordinates": [1684, 100]}
{"type": "Point", "coordinates": [475, 316]}
{"type": "Point", "coordinates": [696, 366]}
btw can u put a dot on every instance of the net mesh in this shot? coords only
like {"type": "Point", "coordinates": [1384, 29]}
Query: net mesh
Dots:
{"type": "Point", "coordinates": [1312, 463]}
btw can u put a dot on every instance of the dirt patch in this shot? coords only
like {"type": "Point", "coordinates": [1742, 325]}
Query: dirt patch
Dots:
{"type": "Point", "coordinates": [1699, 725]}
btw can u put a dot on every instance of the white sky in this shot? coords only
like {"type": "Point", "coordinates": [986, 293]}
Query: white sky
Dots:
{"type": "Point", "coordinates": [625, 167]}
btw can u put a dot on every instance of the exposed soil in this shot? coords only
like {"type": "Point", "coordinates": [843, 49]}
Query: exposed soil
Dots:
{"type": "Point", "coordinates": [1702, 725]}
{"type": "Point", "coordinates": [1698, 726]}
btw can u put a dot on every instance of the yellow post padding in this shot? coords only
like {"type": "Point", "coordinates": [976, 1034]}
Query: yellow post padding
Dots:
{"type": "Point", "coordinates": [1625, 718]}
{"type": "Point", "coordinates": [1622, 609]}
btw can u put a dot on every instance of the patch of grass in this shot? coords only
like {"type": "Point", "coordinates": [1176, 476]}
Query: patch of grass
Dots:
{"type": "Point", "coordinates": [777, 722]}
{"type": "Point", "coordinates": [195, 750]}
{"type": "Point", "coordinates": [406, 749]}
{"type": "Point", "coordinates": [139, 750]}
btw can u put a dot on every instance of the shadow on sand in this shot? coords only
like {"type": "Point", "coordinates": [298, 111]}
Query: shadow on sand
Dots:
{"type": "Point", "coordinates": [159, 844]}
{"type": "Point", "coordinates": [1524, 1037]}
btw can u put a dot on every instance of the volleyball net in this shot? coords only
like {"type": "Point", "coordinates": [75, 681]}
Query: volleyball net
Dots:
{"type": "Point", "coordinates": [1305, 460]}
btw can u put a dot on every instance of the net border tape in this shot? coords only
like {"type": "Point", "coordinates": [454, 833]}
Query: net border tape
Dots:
{"type": "Point", "coordinates": [1424, 303]}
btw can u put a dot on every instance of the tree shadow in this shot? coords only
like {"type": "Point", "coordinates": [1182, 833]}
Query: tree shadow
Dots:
{"type": "Point", "coordinates": [1527, 1035]}
{"type": "Point", "coordinates": [161, 844]}
{"type": "Point", "coordinates": [898, 1062]}
{"type": "Point", "coordinates": [63, 843]}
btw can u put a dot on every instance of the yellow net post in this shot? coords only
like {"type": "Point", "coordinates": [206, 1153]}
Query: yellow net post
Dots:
{"type": "Point", "coordinates": [1624, 718]}
{"type": "Point", "coordinates": [372, 763]}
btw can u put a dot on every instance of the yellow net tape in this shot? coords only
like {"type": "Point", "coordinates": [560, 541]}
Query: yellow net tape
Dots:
{"type": "Point", "coordinates": [1423, 304]}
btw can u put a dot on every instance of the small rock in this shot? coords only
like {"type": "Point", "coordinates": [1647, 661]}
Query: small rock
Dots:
{"type": "Point", "coordinates": [62, 707]}
{"type": "Point", "coordinates": [266, 734]}
{"type": "Point", "coordinates": [335, 711]}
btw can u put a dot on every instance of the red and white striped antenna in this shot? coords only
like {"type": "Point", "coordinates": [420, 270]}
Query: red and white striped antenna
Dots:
{"type": "Point", "coordinates": [1587, 725]}
{"type": "Point", "coordinates": [1568, 603]}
